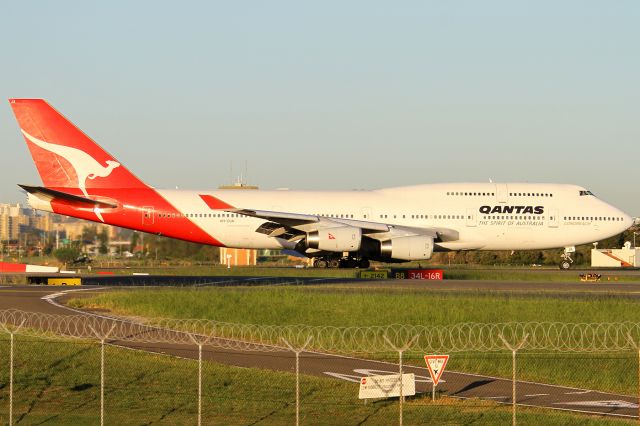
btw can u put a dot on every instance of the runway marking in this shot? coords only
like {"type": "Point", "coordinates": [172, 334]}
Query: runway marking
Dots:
{"type": "Point", "coordinates": [346, 377]}
{"type": "Point", "coordinates": [54, 302]}
{"type": "Point", "coordinates": [577, 393]}
{"type": "Point", "coordinates": [537, 394]}
{"type": "Point", "coordinates": [52, 296]}
{"type": "Point", "coordinates": [493, 397]}
{"type": "Point", "coordinates": [570, 410]}
{"type": "Point", "coordinates": [604, 404]}
{"type": "Point", "coordinates": [208, 283]}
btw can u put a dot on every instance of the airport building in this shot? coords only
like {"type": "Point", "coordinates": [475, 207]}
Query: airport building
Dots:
{"type": "Point", "coordinates": [238, 257]}
{"type": "Point", "coordinates": [625, 257]}
{"type": "Point", "coordinates": [73, 229]}
{"type": "Point", "coordinates": [234, 256]}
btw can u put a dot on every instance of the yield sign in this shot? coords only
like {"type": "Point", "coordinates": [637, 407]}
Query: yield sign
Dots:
{"type": "Point", "coordinates": [436, 365]}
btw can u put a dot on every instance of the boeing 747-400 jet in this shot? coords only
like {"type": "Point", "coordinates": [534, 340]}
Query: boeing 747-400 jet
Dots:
{"type": "Point", "coordinates": [336, 228]}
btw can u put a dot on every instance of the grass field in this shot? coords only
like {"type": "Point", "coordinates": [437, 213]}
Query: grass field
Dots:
{"type": "Point", "coordinates": [325, 305]}
{"type": "Point", "coordinates": [357, 307]}
{"type": "Point", "coordinates": [58, 382]}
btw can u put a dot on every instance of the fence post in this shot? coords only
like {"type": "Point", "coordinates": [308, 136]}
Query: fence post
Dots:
{"type": "Point", "coordinates": [12, 331]}
{"type": "Point", "coordinates": [513, 349]}
{"type": "Point", "coordinates": [102, 338]}
{"type": "Point", "coordinates": [400, 350]}
{"type": "Point", "coordinates": [198, 340]}
{"type": "Point", "coordinates": [636, 345]}
{"type": "Point", "coordinates": [297, 351]}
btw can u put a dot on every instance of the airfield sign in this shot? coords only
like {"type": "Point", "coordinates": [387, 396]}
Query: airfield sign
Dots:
{"type": "Point", "coordinates": [387, 386]}
{"type": "Point", "coordinates": [436, 365]}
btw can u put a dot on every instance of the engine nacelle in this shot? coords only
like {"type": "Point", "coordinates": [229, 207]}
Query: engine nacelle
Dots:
{"type": "Point", "coordinates": [417, 247]}
{"type": "Point", "coordinates": [339, 239]}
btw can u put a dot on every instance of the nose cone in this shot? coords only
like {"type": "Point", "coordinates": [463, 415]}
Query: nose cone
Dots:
{"type": "Point", "coordinates": [629, 221]}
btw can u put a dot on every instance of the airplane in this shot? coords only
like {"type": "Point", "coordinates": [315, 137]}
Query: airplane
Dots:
{"type": "Point", "coordinates": [335, 228]}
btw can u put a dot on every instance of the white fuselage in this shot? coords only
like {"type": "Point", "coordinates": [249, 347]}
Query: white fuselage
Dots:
{"type": "Point", "coordinates": [487, 216]}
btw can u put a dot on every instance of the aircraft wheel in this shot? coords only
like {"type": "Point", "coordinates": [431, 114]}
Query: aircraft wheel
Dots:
{"type": "Point", "coordinates": [565, 265]}
{"type": "Point", "coordinates": [334, 263]}
{"type": "Point", "coordinates": [364, 264]}
{"type": "Point", "coordinates": [320, 263]}
{"type": "Point", "coordinates": [350, 263]}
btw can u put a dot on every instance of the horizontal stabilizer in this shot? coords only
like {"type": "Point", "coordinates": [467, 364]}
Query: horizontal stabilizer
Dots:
{"type": "Point", "coordinates": [50, 194]}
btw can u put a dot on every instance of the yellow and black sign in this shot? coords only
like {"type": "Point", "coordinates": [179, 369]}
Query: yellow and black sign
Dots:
{"type": "Point", "coordinates": [64, 281]}
{"type": "Point", "coordinates": [374, 275]}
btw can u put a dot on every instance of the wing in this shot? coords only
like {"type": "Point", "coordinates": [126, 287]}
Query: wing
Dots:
{"type": "Point", "coordinates": [293, 226]}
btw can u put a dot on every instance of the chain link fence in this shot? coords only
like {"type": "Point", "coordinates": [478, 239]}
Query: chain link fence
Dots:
{"type": "Point", "coordinates": [81, 369]}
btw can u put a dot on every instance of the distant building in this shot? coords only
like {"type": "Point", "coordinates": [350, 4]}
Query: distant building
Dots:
{"type": "Point", "coordinates": [238, 257]}
{"type": "Point", "coordinates": [238, 185]}
{"type": "Point", "coordinates": [41, 222]}
{"type": "Point", "coordinates": [625, 257]}
{"type": "Point", "coordinates": [72, 230]}
{"type": "Point", "coordinates": [233, 256]}
{"type": "Point", "coordinates": [15, 219]}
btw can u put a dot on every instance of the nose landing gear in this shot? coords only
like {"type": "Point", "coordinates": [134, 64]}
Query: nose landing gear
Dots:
{"type": "Point", "coordinates": [567, 261]}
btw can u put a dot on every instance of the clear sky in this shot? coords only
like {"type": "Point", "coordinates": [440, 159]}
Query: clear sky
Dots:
{"type": "Point", "coordinates": [336, 94]}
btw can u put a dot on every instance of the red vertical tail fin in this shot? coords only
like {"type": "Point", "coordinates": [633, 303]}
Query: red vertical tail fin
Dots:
{"type": "Point", "coordinates": [64, 155]}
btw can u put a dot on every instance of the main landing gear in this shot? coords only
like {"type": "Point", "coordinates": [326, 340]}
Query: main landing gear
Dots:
{"type": "Point", "coordinates": [336, 262]}
{"type": "Point", "coordinates": [567, 261]}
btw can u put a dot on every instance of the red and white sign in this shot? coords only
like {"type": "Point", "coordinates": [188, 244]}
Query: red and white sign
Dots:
{"type": "Point", "coordinates": [425, 274]}
{"type": "Point", "coordinates": [24, 268]}
{"type": "Point", "coordinates": [436, 365]}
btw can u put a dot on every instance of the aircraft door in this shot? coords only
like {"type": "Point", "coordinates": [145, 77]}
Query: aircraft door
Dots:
{"type": "Point", "coordinates": [502, 192]}
{"type": "Point", "coordinates": [147, 216]}
{"type": "Point", "coordinates": [472, 219]}
{"type": "Point", "coordinates": [553, 218]}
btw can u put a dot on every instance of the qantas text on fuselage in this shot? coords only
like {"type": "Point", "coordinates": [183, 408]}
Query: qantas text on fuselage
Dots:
{"type": "Point", "coordinates": [349, 228]}
{"type": "Point", "coordinates": [512, 209]}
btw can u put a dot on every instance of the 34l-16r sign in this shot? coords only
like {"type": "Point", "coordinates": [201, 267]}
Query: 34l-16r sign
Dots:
{"type": "Point", "coordinates": [418, 274]}
{"type": "Point", "coordinates": [425, 274]}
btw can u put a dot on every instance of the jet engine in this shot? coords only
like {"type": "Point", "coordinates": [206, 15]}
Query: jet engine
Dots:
{"type": "Point", "coordinates": [417, 247]}
{"type": "Point", "coordinates": [338, 239]}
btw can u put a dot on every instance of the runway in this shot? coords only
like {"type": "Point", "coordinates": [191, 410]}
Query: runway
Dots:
{"type": "Point", "coordinates": [455, 384]}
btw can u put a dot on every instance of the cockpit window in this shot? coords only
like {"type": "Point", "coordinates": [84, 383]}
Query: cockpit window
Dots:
{"type": "Point", "coordinates": [584, 192]}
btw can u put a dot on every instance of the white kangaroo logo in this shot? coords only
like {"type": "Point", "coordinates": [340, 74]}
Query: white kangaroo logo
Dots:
{"type": "Point", "coordinates": [86, 166]}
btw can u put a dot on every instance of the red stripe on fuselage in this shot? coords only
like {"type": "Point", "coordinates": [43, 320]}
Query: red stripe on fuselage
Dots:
{"type": "Point", "coordinates": [164, 220]}
{"type": "Point", "coordinates": [215, 203]}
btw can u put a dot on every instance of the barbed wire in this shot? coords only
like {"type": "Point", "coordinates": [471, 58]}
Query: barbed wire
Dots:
{"type": "Point", "coordinates": [462, 337]}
